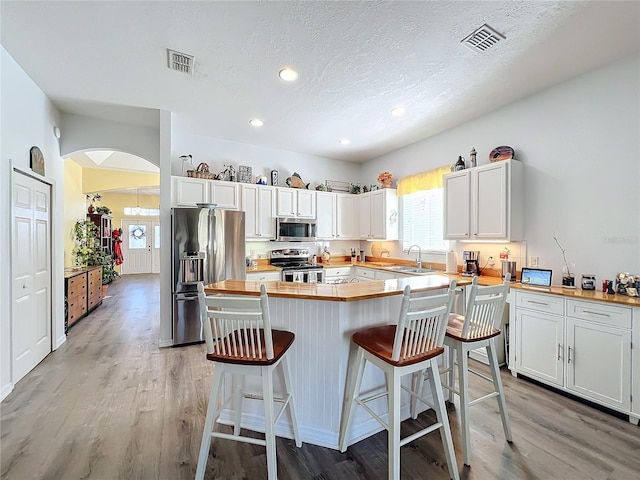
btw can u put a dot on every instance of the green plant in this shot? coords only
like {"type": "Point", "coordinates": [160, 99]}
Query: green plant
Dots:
{"type": "Point", "coordinates": [87, 251]}
{"type": "Point", "coordinates": [109, 273]}
{"type": "Point", "coordinates": [103, 210]}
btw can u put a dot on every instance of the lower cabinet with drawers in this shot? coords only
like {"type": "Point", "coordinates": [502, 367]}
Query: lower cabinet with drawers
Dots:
{"type": "Point", "coordinates": [581, 347]}
{"type": "Point", "coordinates": [83, 293]}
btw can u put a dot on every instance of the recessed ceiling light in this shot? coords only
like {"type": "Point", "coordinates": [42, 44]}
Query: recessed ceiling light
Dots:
{"type": "Point", "coordinates": [345, 141]}
{"type": "Point", "coordinates": [397, 112]}
{"type": "Point", "coordinates": [288, 74]}
{"type": "Point", "coordinates": [256, 122]}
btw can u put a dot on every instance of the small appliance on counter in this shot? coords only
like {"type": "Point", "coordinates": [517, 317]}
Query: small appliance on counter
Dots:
{"type": "Point", "coordinates": [509, 267]}
{"type": "Point", "coordinates": [588, 282]}
{"type": "Point", "coordinates": [470, 258]}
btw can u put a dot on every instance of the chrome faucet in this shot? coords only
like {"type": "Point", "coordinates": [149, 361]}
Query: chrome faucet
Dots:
{"type": "Point", "coordinates": [419, 259]}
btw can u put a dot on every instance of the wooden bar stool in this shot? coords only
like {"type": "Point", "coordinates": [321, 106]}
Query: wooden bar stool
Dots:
{"type": "Point", "coordinates": [409, 347]}
{"type": "Point", "coordinates": [240, 341]}
{"type": "Point", "coordinates": [478, 328]}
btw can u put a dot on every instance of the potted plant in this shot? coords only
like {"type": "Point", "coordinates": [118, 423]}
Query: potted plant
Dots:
{"type": "Point", "coordinates": [93, 199]}
{"type": "Point", "coordinates": [88, 252]}
{"type": "Point", "coordinates": [568, 280]}
{"type": "Point", "coordinates": [109, 273]}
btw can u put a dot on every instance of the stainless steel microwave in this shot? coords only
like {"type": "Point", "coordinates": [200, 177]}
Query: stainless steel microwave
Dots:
{"type": "Point", "coordinates": [295, 230]}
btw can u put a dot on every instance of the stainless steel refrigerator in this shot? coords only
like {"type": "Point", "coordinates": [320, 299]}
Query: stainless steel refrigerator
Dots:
{"type": "Point", "coordinates": [207, 246]}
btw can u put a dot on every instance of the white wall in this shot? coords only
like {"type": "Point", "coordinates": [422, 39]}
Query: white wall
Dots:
{"type": "Point", "coordinates": [27, 119]}
{"type": "Point", "coordinates": [81, 133]}
{"type": "Point", "coordinates": [216, 153]}
{"type": "Point", "coordinates": [580, 143]}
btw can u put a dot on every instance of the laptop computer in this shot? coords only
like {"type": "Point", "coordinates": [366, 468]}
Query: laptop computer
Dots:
{"type": "Point", "coordinates": [536, 277]}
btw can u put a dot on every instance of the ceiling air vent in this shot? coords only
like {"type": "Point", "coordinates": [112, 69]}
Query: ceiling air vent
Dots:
{"type": "Point", "coordinates": [181, 62]}
{"type": "Point", "coordinates": [482, 39]}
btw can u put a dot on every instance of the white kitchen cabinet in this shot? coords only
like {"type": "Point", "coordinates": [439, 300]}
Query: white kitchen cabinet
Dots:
{"type": "Point", "coordinates": [188, 191]}
{"type": "Point", "coordinates": [326, 203]}
{"type": "Point", "coordinates": [378, 211]}
{"type": "Point", "coordinates": [338, 274]}
{"type": "Point", "coordinates": [259, 205]}
{"type": "Point", "coordinates": [296, 203]}
{"type": "Point", "coordinates": [346, 216]}
{"type": "Point", "coordinates": [540, 346]}
{"type": "Point", "coordinates": [582, 347]}
{"type": "Point", "coordinates": [365, 274]}
{"type": "Point", "coordinates": [635, 369]}
{"type": "Point", "coordinates": [485, 203]}
{"type": "Point", "coordinates": [263, 276]}
{"type": "Point", "coordinates": [225, 194]}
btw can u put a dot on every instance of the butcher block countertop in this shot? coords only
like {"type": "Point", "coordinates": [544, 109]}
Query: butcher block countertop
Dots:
{"type": "Point", "coordinates": [348, 292]}
{"type": "Point", "coordinates": [344, 292]}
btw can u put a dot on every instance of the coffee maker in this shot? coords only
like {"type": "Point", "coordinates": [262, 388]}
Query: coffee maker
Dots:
{"type": "Point", "coordinates": [470, 258]}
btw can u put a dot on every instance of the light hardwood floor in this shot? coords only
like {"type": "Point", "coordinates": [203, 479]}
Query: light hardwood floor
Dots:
{"type": "Point", "coordinates": [109, 404]}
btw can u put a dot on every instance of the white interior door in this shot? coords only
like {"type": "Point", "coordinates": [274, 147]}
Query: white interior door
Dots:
{"type": "Point", "coordinates": [137, 238]}
{"type": "Point", "coordinates": [31, 274]}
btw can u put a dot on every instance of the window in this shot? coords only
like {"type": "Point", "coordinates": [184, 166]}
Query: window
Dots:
{"type": "Point", "coordinates": [422, 222]}
{"type": "Point", "coordinates": [141, 212]}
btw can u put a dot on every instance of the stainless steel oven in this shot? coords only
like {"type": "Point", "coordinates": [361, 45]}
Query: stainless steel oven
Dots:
{"type": "Point", "coordinates": [295, 265]}
{"type": "Point", "coordinates": [303, 275]}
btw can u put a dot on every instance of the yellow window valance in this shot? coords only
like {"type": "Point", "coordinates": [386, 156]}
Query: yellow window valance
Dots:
{"type": "Point", "coordinates": [422, 181]}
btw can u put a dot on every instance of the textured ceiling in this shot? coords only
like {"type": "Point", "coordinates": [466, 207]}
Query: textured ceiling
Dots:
{"type": "Point", "coordinates": [356, 61]}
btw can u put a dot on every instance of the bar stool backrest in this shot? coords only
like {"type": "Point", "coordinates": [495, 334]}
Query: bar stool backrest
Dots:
{"type": "Point", "coordinates": [233, 325]}
{"type": "Point", "coordinates": [485, 308]}
{"type": "Point", "coordinates": [422, 323]}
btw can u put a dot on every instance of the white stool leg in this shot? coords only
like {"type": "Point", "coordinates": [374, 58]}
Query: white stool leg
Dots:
{"type": "Point", "coordinates": [394, 394]}
{"type": "Point", "coordinates": [451, 382]}
{"type": "Point", "coordinates": [497, 384]}
{"type": "Point", "coordinates": [443, 418]}
{"type": "Point", "coordinates": [238, 389]}
{"type": "Point", "coordinates": [212, 414]}
{"type": "Point", "coordinates": [269, 433]}
{"type": "Point", "coordinates": [417, 384]}
{"type": "Point", "coordinates": [357, 369]}
{"type": "Point", "coordinates": [289, 391]}
{"type": "Point", "coordinates": [463, 382]}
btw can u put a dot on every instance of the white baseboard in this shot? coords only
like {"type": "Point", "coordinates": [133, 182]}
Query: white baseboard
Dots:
{"type": "Point", "coordinates": [61, 339]}
{"type": "Point", "coordinates": [6, 390]}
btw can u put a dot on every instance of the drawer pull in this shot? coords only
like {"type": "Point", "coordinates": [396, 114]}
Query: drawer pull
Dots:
{"type": "Point", "coordinates": [597, 313]}
{"type": "Point", "coordinates": [538, 303]}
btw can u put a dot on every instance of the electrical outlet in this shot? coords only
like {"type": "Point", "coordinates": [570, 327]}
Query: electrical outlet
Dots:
{"type": "Point", "coordinates": [533, 261]}
{"type": "Point", "coordinates": [491, 261]}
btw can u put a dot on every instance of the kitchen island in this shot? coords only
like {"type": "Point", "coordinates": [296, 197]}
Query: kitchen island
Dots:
{"type": "Point", "coordinates": [323, 318]}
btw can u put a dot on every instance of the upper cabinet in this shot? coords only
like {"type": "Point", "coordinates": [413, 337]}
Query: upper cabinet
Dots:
{"type": "Point", "coordinates": [188, 191]}
{"type": "Point", "coordinates": [326, 215]}
{"type": "Point", "coordinates": [346, 216]}
{"type": "Point", "coordinates": [259, 205]}
{"type": "Point", "coordinates": [378, 211]}
{"type": "Point", "coordinates": [485, 203]}
{"type": "Point", "coordinates": [296, 203]}
{"type": "Point", "coordinates": [337, 216]}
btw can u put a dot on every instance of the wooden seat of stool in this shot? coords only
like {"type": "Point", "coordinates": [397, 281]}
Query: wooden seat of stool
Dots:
{"type": "Point", "coordinates": [282, 340]}
{"type": "Point", "coordinates": [456, 324]}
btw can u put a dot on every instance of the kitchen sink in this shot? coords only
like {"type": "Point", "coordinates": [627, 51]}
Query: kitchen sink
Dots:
{"type": "Point", "coordinates": [406, 269]}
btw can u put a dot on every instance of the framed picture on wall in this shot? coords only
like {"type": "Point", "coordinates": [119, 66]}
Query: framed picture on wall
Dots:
{"type": "Point", "coordinates": [37, 160]}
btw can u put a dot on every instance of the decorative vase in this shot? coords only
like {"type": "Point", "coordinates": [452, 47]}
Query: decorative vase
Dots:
{"type": "Point", "coordinates": [104, 290]}
{"type": "Point", "coordinates": [386, 184]}
{"type": "Point", "coordinates": [91, 209]}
